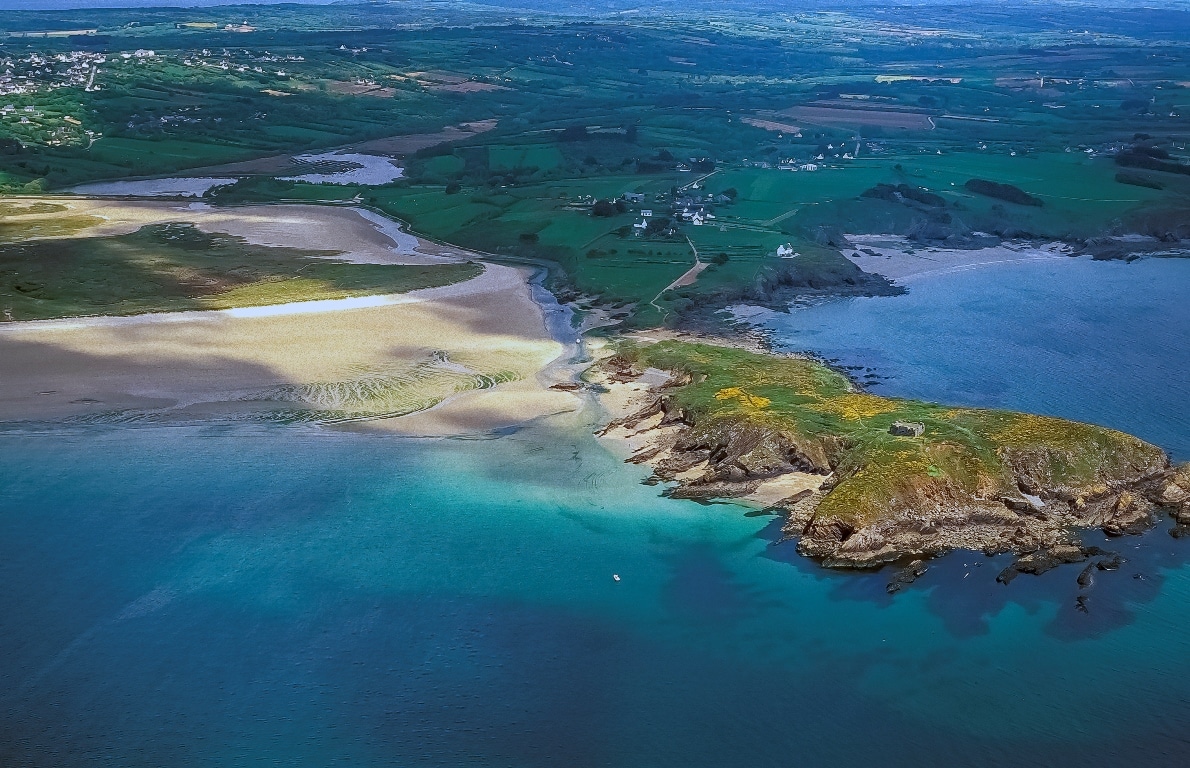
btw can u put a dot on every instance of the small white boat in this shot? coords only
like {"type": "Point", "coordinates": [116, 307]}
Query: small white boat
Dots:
{"type": "Point", "coordinates": [616, 576]}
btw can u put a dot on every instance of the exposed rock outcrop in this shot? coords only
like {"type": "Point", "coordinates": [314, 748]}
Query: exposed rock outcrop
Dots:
{"type": "Point", "coordinates": [1026, 500]}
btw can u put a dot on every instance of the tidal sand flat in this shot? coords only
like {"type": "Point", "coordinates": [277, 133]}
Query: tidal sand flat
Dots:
{"type": "Point", "coordinates": [901, 260]}
{"type": "Point", "coordinates": [350, 234]}
{"type": "Point", "coordinates": [320, 360]}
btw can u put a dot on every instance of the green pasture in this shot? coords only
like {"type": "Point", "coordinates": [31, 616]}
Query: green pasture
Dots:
{"type": "Point", "coordinates": [444, 165]}
{"type": "Point", "coordinates": [520, 189]}
{"type": "Point", "coordinates": [138, 157]}
{"type": "Point", "coordinates": [507, 157]}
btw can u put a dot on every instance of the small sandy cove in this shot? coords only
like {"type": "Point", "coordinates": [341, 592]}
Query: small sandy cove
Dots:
{"type": "Point", "coordinates": [903, 261]}
{"type": "Point", "coordinates": [425, 346]}
{"type": "Point", "coordinates": [620, 399]}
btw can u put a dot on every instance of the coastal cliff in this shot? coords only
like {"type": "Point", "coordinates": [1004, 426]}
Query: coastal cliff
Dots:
{"type": "Point", "coordinates": [866, 480]}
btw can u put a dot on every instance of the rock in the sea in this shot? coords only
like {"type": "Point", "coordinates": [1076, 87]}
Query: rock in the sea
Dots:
{"type": "Point", "coordinates": [1044, 560]}
{"type": "Point", "coordinates": [906, 576]}
{"type": "Point", "coordinates": [1110, 563]}
{"type": "Point", "coordinates": [1086, 579]}
{"type": "Point", "coordinates": [907, 429]}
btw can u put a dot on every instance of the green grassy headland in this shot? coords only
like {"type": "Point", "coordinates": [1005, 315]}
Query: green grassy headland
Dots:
{"type": "Point", "coordinates": [964, 453]}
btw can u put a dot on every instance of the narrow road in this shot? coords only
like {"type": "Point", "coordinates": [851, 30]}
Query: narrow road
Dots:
{"type": "Point", "coordinates": [687, 278]}
{"type": "Point", "coordinates": [698, 181]}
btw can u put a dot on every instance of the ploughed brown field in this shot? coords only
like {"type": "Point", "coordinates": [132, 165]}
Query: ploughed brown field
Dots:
{"type": "Point", "coordinates": [850, 116]}
{"type": "Point", "coordinates": [771, 125]}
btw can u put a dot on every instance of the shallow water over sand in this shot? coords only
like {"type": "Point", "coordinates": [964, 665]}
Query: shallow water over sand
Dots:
{"type": "Point", "coordinates": [235, 596]}
{"type": "Point", "coordinates": [369, 170]}
{"type": "Point", "coordinates": [173, 187]}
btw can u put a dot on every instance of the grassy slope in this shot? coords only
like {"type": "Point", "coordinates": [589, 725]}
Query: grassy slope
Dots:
{"type": "Point", "coordinates": [177, 267]}
{"type": "Point", "coordinates": [963, 453]}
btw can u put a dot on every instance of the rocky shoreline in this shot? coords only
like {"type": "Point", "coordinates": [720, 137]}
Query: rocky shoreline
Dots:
{"type": "Point", "coordinates": [1033, 515]}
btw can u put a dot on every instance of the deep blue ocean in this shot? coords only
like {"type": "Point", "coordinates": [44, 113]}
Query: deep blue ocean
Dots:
{"type": "Point", "coordinates": [248, 595]}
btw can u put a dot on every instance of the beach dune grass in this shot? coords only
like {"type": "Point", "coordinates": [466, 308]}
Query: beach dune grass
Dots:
{"type": "Point", "coordinates": [173, 267]}
{"type": "Point", "coordinates": [57, 225]}
{"type": "Point", "coordinates": [396, 389]}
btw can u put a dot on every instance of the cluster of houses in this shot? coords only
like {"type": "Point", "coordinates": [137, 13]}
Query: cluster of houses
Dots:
{"type": "Point", "coordinates": [832, 152]}
{"type": "Point", "coordinates": [40, 73]}
{"type": "Point", "coordinates": [24, 113]}
{"type": "Point", "coordinates": [695, 209]}
{"type": "Point", "coordinates": [41, 130]}
{"type": "Point", "coordinates": [694, 163]}
{"type": "Point", "coordinates": [37, 73]}
{"type": "Point", "coordinates": [790, 164]}
{"type": "Point", "coordinates": [243, 26]}
{"type": "Point", "coordinates": [227, 61]}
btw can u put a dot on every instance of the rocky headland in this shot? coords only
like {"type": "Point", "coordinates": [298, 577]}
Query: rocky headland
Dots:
{"type": "Point", "coordinates": [863, 480]}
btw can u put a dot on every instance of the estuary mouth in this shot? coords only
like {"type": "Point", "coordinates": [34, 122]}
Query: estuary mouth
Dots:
{"type": "Point", "coordinates": [536, 383]}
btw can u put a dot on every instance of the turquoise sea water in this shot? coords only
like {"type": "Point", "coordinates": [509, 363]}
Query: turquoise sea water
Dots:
{"type": "Point", "coordinates": [247, 596]}
{"type": "Point", "coordinates": [243, 596]}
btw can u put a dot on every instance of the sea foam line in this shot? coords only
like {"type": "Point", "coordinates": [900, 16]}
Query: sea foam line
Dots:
{"type": "Point", "coordinates": [201, 315]}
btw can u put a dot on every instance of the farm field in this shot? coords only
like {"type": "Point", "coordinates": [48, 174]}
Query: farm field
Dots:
{"type": "Point", "coordinates": [613, 151]}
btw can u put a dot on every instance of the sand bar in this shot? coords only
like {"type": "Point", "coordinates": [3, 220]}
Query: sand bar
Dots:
{"type": "Point", "coordinates": [424, 347]}
{"type": "Point", "coordinates": [350, 234]}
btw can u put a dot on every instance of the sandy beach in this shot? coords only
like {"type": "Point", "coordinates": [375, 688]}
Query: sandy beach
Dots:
{"type": "Point", "coordinates": [650, 442]}
{"type": "Point", "coordinates": [478, 349]}
{"type": "Point", "coordinates": [902, 260]}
